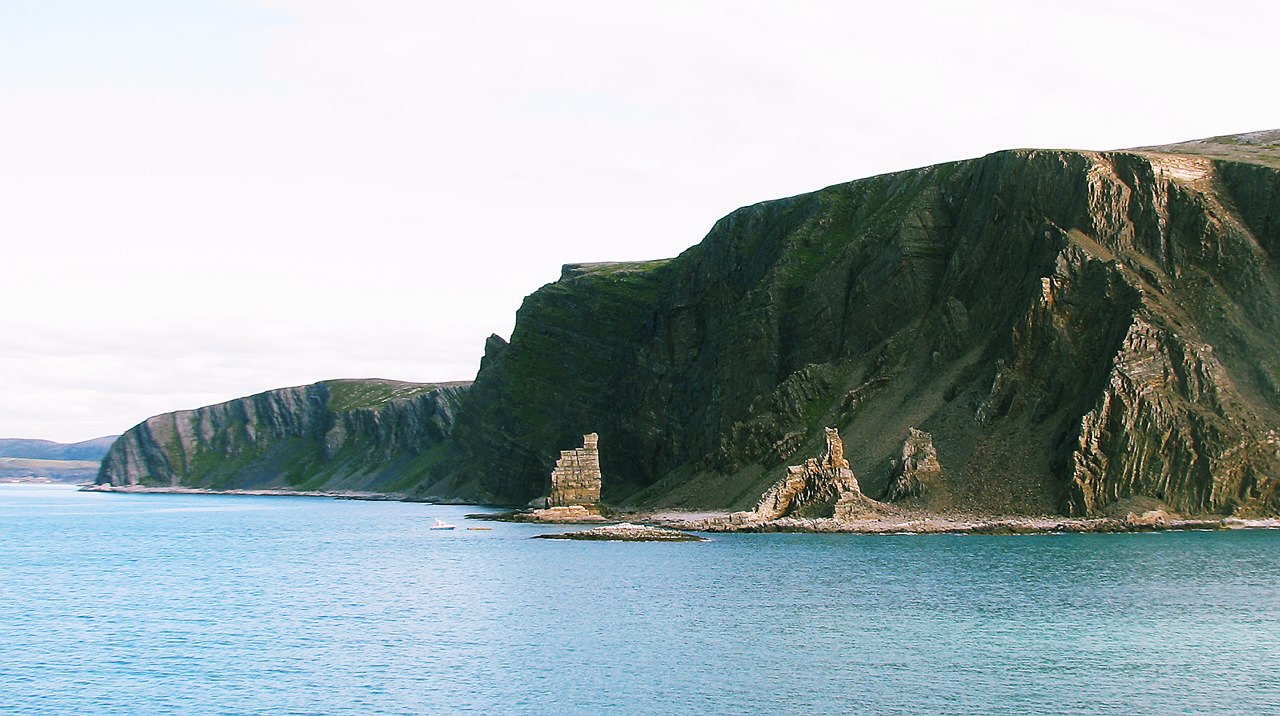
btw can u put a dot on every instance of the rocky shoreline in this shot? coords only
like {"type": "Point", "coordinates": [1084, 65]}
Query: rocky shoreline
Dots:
{"type": "Point", "coordinates": [897, 521]}
{"type": "Point", "coordinates": [925, 523]}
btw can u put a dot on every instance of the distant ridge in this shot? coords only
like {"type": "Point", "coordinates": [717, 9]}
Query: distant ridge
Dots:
{"type": "Point", "coordinates": [1261, 147]}
{"type": "Point", "coordinates": [94, 449]}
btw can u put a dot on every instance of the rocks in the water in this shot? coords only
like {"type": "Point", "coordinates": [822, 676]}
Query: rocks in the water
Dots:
{"type": "Point", "coordinates": [565, 513]}
{"type": "Point", "coordinates": [918, 467]}
{"type": "Point", "coordinates": [627, 532]}
{"type": "Point", "coordinates": [1150, 518]}
{"type": "Point", "coordinates": [575, 481]}
{"type": "Point", "coordinates": [821, 487]}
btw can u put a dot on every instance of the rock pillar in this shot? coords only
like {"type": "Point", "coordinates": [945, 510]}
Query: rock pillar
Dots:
{"type": "Point", "coordinates": [821, 487]}
{"type": "Point", "coordinates": [919, 467]}
{"type": "Point", "coordinates": [576, 477]}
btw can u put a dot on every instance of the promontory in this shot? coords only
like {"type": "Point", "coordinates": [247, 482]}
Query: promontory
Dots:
{"type": "Point", "coordinates": [1030, 332]}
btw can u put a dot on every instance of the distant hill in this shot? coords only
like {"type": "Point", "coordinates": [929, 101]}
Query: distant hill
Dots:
{"type": "Point", "coordinates": [94, 449]}
{"type": "Point", "coordinates": [366, 434]}
{"type": "Point", "coordinates": [21, 469]}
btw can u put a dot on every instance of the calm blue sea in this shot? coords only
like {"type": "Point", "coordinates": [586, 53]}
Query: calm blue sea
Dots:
{"type": "Point", "coordinates": [171, 604]}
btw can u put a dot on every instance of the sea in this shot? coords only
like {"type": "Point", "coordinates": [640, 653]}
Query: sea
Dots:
{"type": "Point", "coordinates": [208, 604]}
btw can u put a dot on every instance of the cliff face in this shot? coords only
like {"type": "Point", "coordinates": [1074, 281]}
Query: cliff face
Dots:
{"type": "Point", "coordinates": [336, 435]}
{"type": "Point", "coordinates": [1073, 328]}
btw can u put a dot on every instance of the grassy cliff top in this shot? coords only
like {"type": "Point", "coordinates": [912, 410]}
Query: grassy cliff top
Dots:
{"type": "Point", "coordinates": [352, 394]}
{"type": "Point", "coordinates": [609, 268]}
{"type": "Point", "coordinates": [1262, 147]}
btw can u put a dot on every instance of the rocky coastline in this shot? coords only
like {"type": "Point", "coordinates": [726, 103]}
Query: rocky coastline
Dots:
{"type": "Point", "coordinates": [896, 521]}
{"type": "Point", "coordinates": [1032, 332]}
{"type": "Point", "coordinates": [934, 523]}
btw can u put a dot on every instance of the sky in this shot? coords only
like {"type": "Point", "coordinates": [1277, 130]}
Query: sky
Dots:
{"type": "Point", "coordinates": [204, 199]}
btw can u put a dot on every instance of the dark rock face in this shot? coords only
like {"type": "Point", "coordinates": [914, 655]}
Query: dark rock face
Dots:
{"type": "Point", "coordinates": [336, 435]}
{"type": "Point", "coordinates": [1072, 327]}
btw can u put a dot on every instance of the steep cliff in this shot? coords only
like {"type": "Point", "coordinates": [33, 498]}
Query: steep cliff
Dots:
{"type": "Point", "coordinates": [1074, 329]}
{"type": "Point", "coordinates": [378, 435]}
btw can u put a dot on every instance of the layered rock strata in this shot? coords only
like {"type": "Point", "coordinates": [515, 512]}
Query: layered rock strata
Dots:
{"type": "Point", "coordinates": [918, 467]}
{"type": "Point", "coordinates": [576, 477]}
{"type": "Point", "coordinates": [820, 487]}
{"type": "Point", "coordinates": [1078, 327]}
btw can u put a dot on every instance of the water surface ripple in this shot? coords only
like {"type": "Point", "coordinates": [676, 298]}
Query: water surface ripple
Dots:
{"type": "Point", "coordinates": [194, 604]}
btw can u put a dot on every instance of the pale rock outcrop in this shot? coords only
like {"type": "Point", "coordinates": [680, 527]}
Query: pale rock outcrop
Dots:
{"type": "Point", "coordinates": [566, 514]}
{"type": "Point", "coordinates": [911, 475]}
{"type": "Point", "coordinates": [575, 486]}
{"type": "Point", "coordinates": [1150, 518]}
{"type": "Point", "coordinates": [1168, 423]}
{"type": "Point", "coordinates": [821, 487]}
{"type": "Point", "coordinates": [576, 477]}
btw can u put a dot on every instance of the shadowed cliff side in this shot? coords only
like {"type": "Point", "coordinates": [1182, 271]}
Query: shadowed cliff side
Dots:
{"type": "Point", "coordinates": [375, 435]}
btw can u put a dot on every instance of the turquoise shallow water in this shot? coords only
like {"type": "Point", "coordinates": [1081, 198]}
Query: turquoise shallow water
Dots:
{"type": "Point", "coordinates": [171, 604]}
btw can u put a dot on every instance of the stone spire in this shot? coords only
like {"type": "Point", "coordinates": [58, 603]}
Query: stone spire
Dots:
{"type": "Point", "coordinates": [918, 468]}
{"type": "Point", "coordinates": [576, 477]}
{"type": "Point", "coordinates": [822, 487]}
{"type": "Point", "coordinates": [834, 457]}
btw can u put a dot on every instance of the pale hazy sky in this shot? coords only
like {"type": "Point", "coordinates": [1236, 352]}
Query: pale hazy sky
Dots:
{"type": "Point", "coordinates": [202, 199]}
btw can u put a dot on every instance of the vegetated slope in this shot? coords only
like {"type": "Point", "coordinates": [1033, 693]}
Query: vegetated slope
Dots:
{"type": "Point", "coordinates": [1075, 329]}
{"type": "Point", "coordinates": [94, 449]}
{"type": "Point", "coordinates": [379, 435]}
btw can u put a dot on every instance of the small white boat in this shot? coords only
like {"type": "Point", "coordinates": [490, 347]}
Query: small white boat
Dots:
{"type": "Point", "coordinates": [442, 525]}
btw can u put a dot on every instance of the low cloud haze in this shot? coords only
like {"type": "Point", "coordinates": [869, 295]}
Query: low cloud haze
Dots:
{"type": "Point", "coordinates": [212, 198]}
